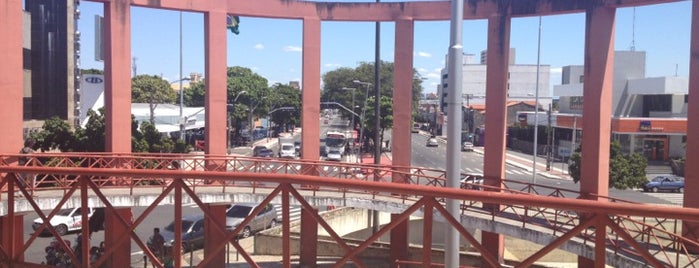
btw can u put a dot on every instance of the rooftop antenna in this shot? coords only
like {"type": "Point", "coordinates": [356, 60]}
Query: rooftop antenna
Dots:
{"type": "Point", "coordinates": [633, 31]}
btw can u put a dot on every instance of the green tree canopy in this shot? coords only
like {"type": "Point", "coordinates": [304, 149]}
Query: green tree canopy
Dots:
{"type": "Point", "coordinates": [151, 89]}
{"type": "Point", "coordinates": [285, 96]}
{"type": "Point", "coordinates": [624, 172]}
{"type": "Point", "coordinates": [57, 135]}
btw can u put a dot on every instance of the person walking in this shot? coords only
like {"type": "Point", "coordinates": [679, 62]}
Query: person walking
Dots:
{"type": "Point", "coordinates": [26, 179]}
{"type": "Point", "coordinates": [156, 243]}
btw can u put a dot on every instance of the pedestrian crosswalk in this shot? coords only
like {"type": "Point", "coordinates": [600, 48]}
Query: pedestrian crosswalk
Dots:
{"type": "Point", "coordinates": [508, 171]}
{"type": "Point", "coordinates": [674, 198]}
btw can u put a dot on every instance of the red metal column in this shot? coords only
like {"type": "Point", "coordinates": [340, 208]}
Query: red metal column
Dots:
{"type": "Point", "coordinates": [402, 93]}
{"type": "Point", "coordinates": [399, 240]}
{"type": "Point", "coordinates": [309, 238]}
{"type": "Point", "coordinates": [214, 236]}
{"type": "Point", "coordinates": [496, 117]}
{"type": "Point", "coordinates": [428, 220]}
{"type": "Point", "coordinates": [216, 80]}
{"type": "Point", "coordinates": [691, 229]}
{"type": "Point", "coordinates": [402, 115]}
{"type": "Point", "coordinates": [310, 99]}
{"type": "Point", "coordinates": [597, 97]}
{"type": "Point", "coordinates": [11, 76]}
{"type": "Point", "coordinates": [117, 74]}
{"type": "Point", "coordinates": [12, 235]}
{"type": "Point", "coordinates": [113, 231]}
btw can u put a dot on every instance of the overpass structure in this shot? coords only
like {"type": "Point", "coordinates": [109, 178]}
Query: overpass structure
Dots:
{"type": "Point", "coordinates": [633, 235]}
{"type": "Point", "coordinates": [590, 217]}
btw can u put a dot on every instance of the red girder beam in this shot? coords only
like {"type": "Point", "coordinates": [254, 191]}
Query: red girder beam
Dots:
{"type": "Point", "coordinates": [388, 11]}
{"type": "Point", "coordinates": [396, 188]}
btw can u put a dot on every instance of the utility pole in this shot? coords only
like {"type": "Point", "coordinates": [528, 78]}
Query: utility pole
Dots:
{"type": "Point", "coordinates": [549, 141]}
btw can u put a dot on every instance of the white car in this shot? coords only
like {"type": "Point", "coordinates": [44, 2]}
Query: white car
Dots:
{"type": "Point", "coordinates": [472, 181]}
{"type": "Point", "coordinates": [432, 141]}
{"type": "Point", "coordinates": [334, 155]}
{"type": "Point", "coordinates": [66, 220]}
{"type": "Point", "coordinates": [467, 147]}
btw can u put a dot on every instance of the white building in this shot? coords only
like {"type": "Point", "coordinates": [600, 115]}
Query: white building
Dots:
{"type": "Point", "coordinates": [167, 116]}
{"type": "Point", "coordinates": [521, 81]}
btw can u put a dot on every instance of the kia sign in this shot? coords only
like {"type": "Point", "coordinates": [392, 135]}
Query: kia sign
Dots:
{"type": "Point", "coordinates": [94, 80]}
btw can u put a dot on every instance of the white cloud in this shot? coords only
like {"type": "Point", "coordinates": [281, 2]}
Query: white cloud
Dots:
{"type": "Point", "coordinates": [329, 65]}
{"type": "Point", "coordinates": [423, 70]}
{"type": "Point", "coordinates": [557, 70]}
{"type": "Point", "coordinates": [292, 49]}
{"type": "Point", "coordinates": [255, 68]}
{"type": "Point", "coordinates": [438, 70]}
{"type": "Point", "coordinates": [259, 46]}
{"type": "Point", "coordinates": [433, 75]}
{"type": "Point", "coordinates": [424, 54]}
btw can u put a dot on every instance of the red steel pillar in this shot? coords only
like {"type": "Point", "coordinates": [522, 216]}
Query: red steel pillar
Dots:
{"type": "Point", "coordinates": [216, 80]}
{"type": "Point", "coordinates": [310, 98]}
{"type": "Point", "coordinates": [691, 229]}
{"type": "Point", "coordinates": [214, 236]}
{"type": "Point", "coordinates": [117, 74]}
{"type": "Point", "coordinates": [402, 94]}
{"type": "Point", "coordinates": [113, 231]}
{"type": "Point", "coordinates": [496, 119]}
{"type": "Point", "coordinates": [12, 235]}
{"type": "Point", "coordinates": [11, 75]}
{"type": "Point", "coordinates": [597, 97]}
{"type": "Point", "coordinates": [309, 238]}
{"type": "Point", "coordinates": [402, 115]}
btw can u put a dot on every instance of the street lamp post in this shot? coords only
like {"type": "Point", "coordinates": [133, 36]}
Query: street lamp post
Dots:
{"type": "Point", "coordinates": [230, 118]}
{"type": "Point", "coordinates": [181, 91]}
{"type": "Point", "coordinates": [361, 126]}
{"type": "Point", "coordinates": [250, 127]}
{"type": "Point", "coordinates": [352, 124]}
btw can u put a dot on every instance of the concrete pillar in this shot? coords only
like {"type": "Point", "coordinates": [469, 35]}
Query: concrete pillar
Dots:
{"type": "Point", "coordinates": [117, 74]}
{"type": "Point", "coordinates": [310, 95]}
{"type": "Point", "coordinates": [214, 236]}
{"type": "Point", "coordinates": [309, 238]}
{"type": "Point", "coordinates": [690, 230]}
{"type": "Point", "coordinates": [11, 75]}
{"type": "Point", "coordinates": [597, 96]}
{"type": "Point", "coordinates": [402, 94]}
{"type": "Point", "coordinates": [115, 230]}
{"type": "Point", "coordinates": [12, 236]}
{"type": "Point", "coordinates": [216, 80]}
{"type": "Point", "coordinates": [496, 119]}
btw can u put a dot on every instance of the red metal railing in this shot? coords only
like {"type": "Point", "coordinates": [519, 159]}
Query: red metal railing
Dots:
{"type": "Point", "coordinates": [632, 230]}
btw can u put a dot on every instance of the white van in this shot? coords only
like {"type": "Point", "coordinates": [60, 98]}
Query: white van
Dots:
{"type": "Point", "coordinates": [287, 150]}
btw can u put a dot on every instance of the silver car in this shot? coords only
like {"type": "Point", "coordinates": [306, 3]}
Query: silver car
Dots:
{"type": "Point", "coordinates": [467, 147]}
{"type": "Point", "coordinates": [266, 218]}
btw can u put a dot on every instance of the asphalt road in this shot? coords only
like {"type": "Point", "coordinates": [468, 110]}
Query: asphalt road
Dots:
{"type": "Point", "coordinates": [471, 162]}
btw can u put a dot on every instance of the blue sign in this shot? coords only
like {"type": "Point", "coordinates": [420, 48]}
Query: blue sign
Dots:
{"type": "Point", "coordinates": [93, 80]}
{"type": "Point", "coordinates": [644, 126]}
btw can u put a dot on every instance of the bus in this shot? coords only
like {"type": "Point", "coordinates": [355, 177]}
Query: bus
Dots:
{"type": "Point", "coordinates": [336, 140]}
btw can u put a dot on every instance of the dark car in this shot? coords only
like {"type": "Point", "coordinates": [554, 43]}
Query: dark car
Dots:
{"type": "Point", "coordinates": [297, 147]}
{"type": "Point", "coordinates": [266, 218]}
{"type": "Point", "coordinates": [192, 233]}
{"type": "Point", "coordinates": [265, 153]}
{"type": "Point", "coordinates": [665, 183]}
{"type": "Point", "coordinates": [256, 151]}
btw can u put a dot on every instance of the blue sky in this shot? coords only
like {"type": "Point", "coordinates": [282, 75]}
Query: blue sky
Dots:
{"type": "Point", "coordinates": [272, 47]}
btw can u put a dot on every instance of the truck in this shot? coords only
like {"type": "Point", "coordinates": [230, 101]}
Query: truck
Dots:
{"type": "Point", "coordinates": [286, 147]}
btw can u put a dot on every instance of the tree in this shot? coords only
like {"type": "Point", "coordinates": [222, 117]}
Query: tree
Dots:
{"type": "Point", "coordinates": [285, 96]}
{"type": "Point", "coordinates": [254, 102]}
{"type": "Point", "coordinates": [91, 71]}
{"type": "Point", "coordinates": [386, 106]}
{"type": "Point", "coordinates": [153, 90]}
{"type": "Point", "coordinates": [57, 135]}
{"type": "Point", "coordinates": [335, 81]}
{"type": "Point", "coordinates": [624, 172]}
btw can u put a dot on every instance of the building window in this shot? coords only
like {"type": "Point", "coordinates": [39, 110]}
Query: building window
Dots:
{"type": "Point", "coordinates": [582, 78]}
{"type": "Point", "coordinates": [686, 98]}
{"type": "Point", "coordinates": [576, 103]}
